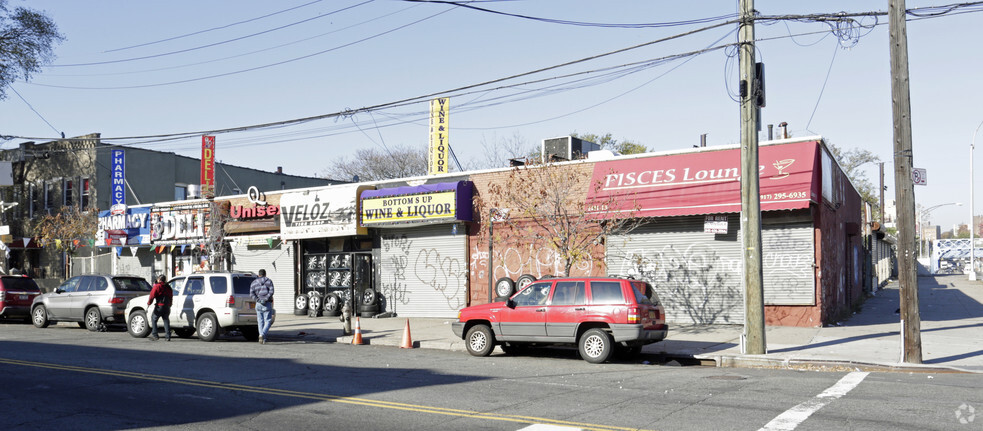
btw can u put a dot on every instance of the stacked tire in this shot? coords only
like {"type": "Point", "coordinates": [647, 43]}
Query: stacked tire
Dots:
{"type": "Point", "coordinates": [368, 304]}
{"type": "Point", "coordinates": [314, 304]}
{"type": "Point", "coordinates": [332, 305]}
{"type": "Point", "coordinates": [505, 287]}
{"type": "Point", "coordinates": [300, 304]}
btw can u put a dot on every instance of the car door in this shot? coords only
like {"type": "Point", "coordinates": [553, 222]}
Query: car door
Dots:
{"type": "Point", "coordinates": [193, 296]}
{"type": "Point", "coordinates": [92, 290]}
{"type": "Point", "coordinates": [567, 308]}
{"type": "Point", "coordinates": [528, 317]}
{"type": "Point", "coordinates": [182, 309]}
{"type": "Point", "coordinates": [607, 300]}
{"type": "Point", "coordinates": [60, 300]}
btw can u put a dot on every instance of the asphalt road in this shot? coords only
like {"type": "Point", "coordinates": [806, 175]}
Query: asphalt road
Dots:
{"type": "Point", "coordinates": [65, 378]}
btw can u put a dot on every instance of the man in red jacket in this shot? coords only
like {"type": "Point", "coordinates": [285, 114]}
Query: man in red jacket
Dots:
{"type": "Point", "coordinates": [163, 295]}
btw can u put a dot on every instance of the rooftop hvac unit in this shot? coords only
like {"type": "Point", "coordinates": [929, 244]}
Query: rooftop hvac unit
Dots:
{"type": "Point", "coordinates": [567, 148]}
{"type": "Point", "coordinates": [194, 191]}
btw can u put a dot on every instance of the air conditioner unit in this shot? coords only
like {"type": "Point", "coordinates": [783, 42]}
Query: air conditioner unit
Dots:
{"type": "Point", "coordinates": [566, 148]}
{"type": "Point", "coordinates": [194, 191]}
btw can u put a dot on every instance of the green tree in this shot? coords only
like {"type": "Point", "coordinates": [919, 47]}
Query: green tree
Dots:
{"type": "Point", "coordinates": [66, 231]}
{"type": "Point", "coordinates": [851, 161]}
{"type": "Point", "coordinates": [607, 142]}
{"type": "Point", "coordinates": [26, 40]}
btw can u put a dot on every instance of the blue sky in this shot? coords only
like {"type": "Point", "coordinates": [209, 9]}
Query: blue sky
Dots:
{"type": "Point", "coordinates": [357, 53]}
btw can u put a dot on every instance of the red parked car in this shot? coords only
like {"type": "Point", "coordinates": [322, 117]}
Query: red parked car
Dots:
{"type": "Point", "coordinates": [598, 315]}
{"type": "Point", "coordinates": [16, 294]}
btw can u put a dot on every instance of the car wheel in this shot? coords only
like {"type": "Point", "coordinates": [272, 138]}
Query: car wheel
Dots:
{"type": "Point", "coordinates": [300, 305]}
{"type": "Point", "coordinates": [250, 333]}
{"type": "Point", "coordinates": [138, 326]}
{"type": "Point", "coordinates": [369, 296]}
{"type": "Point", "coordinates": [524, 281]}
{"type": "Point", "coordinates": [207, 327]}
{"type": "Point", "coordinates": [595, 345]}
{"type": "Point", "coordinates": [504, 287]}
{"type": "Point", "coordinates": [479, 340]}
{"type": "Point", "coordinates": [184, 332]}
{"type": "Point", "coordinates": [39, 316]}
{"type": "Point", "coordinates": [93, 318]}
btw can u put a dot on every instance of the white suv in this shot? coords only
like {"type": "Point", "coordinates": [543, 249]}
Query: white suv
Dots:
{"type": "Point", "coordinates": [210, 303]}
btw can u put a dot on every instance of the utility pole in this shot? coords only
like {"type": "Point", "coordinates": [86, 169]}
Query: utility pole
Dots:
{"type": "Point", "coordinates": [881, 219]}
{"type": "Point", "coordinates": [904, 187]}
{"type": "Point", "coordinates": [754, 309]}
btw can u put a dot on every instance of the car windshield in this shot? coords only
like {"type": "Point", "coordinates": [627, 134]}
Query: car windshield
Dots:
{"type": "Point", "coordinates": [20, 284]}
{"type": "Point", "coordinates": [240, 284]}
{"type": "Point", "coordinates": [132, 284]}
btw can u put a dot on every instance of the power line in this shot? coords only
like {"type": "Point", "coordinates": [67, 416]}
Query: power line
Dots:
{"type": "Point", "coordinates": [34, 110]}
{"type": "Point", "coordinates": [213, 28]}
{"type": "Point", "coordinates": [213, 44]}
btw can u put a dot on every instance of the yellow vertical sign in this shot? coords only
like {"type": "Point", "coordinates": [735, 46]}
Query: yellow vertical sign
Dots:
{"type": "Point", "coordinates": [438, 136]}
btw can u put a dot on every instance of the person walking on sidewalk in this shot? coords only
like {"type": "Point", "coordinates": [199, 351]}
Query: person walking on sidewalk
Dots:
{"type": "Point", "coordinates": [261, 290]}
{"type": "Point", "coordinates": [163, 295]}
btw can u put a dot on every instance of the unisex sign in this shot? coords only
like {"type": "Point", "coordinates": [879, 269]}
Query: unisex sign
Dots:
{"type": "Point", "coordinates": [431, 203]}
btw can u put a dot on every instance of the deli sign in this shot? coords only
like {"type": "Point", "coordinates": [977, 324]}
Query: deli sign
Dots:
{"type": "Point", "coordinates": [181, 224]}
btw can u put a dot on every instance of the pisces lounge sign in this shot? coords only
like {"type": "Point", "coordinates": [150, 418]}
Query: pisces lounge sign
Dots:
{"type": "Point", "coordinates": [429, 203]}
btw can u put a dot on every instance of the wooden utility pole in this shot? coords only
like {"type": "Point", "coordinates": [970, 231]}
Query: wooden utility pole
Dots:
{"type": "Point", "coordinates": [903, 185]}
{"type": "Point", "coordinates": [754, 309]}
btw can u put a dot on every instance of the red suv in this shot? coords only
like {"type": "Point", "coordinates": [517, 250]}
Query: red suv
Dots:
{"type": "Point", "coordinates": [596, 314]}
{"type": "Point", "coordinates": [16, 294]}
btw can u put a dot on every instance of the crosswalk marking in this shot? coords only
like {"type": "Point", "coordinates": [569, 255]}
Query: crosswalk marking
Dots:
{"type": "Point", "coordinates": [796, 415]}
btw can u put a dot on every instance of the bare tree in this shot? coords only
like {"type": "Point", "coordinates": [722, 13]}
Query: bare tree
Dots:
{"type": "Point", "coordinates": [498, 151]}
{"type": "Point", "coordinates": [68, 230]}
{"type": "Point", "coordinates": [26, 39]}
{"type": "Point", "coordinates": [851, 161]}
{"type": "Point", "coordinates": [546, 206]}
{"type": "Point", "coordinates": [371, 164]}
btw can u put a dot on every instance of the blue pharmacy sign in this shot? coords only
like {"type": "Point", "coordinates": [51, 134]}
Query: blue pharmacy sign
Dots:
{"type": "Point", "coordinates": [118, 183]}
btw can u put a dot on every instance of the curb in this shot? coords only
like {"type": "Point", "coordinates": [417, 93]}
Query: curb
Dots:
{"type": "Point", "coordinates": [828, 365]}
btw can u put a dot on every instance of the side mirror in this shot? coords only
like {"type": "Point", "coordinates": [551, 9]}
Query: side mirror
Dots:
{"type": "Point", "coordinates": [59, 291]}
{"type": "Point", "coordinates": [510, 303]}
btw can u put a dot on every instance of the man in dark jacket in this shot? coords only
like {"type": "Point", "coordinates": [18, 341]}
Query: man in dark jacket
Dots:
{"type": "Point", "coordinates": [163, 295]}
{"type": "Point", "coordinates": [261, 291]}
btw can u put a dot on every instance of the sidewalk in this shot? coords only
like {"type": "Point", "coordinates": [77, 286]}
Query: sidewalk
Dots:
{"type": "Point", "coordinates": [951, 309]}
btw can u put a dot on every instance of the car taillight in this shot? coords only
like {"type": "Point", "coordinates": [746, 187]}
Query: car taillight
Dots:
{"type": "Point", "coordinates": [633, 315]}
{"type": "Point", "coordinates": [231, 302]}
{"type": "Point", "coordinates": [116, 300]}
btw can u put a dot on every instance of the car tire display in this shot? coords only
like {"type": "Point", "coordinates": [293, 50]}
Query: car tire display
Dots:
{"type": "Point", "coordinates": [207, 327]}
{"type": "Point", "coordinates": [300, 305]}
{"type": "Point", "coordinates": [369, 296]}
{"type": "Point", "coordinates": [332, 305]}
{"type": "Point", "coordinates": [504, 287]}
{"type": "Point", "coordinates": [39, 316]}
{"type": "Point", "coordinates": [595, 345]}
{"type": "Point", "coordinates": [314, 304]}
{"type": "Point", "coordinates": [138, 326]}
{"type": "Point", "coordinates": [479, 340]}
{"type": "Point", "coordinates": [93, 319]}
{"type": "Point", "coordinates": [524, 281]}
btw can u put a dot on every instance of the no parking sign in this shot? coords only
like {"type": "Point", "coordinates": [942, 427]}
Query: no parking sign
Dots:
{"type": "Point", "coordinates": [919, 176]}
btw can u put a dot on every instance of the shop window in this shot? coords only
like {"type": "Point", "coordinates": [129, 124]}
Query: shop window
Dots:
{"type": "Point", "coordinates": [180, 192]}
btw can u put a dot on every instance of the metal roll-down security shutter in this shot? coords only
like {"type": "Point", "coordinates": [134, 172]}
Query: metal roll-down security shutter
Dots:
{"type": "Point", "coordinates": [423, 271]}
{"type": "Point", "coordinates": [251, 255]}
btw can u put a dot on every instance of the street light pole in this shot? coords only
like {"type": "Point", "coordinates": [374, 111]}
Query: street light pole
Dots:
{"type": "Point", "coordinates": [922, 215]}
{"type": "Point", "coordinates": [972, 209]}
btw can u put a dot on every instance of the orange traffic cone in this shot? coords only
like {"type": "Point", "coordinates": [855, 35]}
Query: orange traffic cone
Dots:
{"type": "Point", "coordinates": [407, 340]}
{"type": "Point", "coordinates": [357, 339]}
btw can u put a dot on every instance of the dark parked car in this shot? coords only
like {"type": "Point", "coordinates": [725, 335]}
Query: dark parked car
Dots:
{"type": "Point", "coordinates": [16, 294]}
{"type": "Point", "coordinates": [91, 300]}
{"type": "Point", "coordinates": [598, 315]}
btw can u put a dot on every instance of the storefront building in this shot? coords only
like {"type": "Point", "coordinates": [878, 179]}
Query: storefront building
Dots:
{"type": "Point", "coordinates": [184, 238]}
{"type": "Point", "coordinates": [251, 227]}
{"type": "Point", "coordinates": [689, 247]}
{"type": "Point", "coordinates": [126, 232]}
{"type": "Point", "coordinates": [422, 246]}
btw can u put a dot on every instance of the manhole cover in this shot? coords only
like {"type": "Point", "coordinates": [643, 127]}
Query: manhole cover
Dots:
{"type": "Point", "coordinates": [726, 377]}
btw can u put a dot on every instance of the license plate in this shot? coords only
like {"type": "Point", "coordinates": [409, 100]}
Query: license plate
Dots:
{"type": "Point", "coordinates": [22, 297]}
{"type": "Point", "coordinates": [651, 314]}
{"type": "Point", "coordinates": [252, 305]}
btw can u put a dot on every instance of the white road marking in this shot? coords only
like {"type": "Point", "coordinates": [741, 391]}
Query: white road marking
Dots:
{"type": "Point", "coordinates": [796, 415]}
